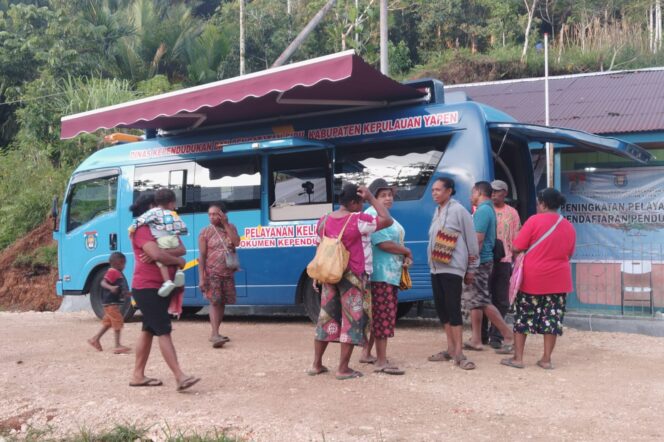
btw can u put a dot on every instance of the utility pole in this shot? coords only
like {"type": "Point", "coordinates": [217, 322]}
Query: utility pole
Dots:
{"type": "Point", "coordinates": [384, 64]}
{"type": "Point", "coordinates": [241, 37]}
{"type": "Point", "coordinates": [548, 146]}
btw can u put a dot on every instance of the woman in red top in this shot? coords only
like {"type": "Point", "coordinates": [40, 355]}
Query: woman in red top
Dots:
{"type": "Point", "coordinates": [156, 321]}
{"type": "Point", "coordinates": [547, 277]}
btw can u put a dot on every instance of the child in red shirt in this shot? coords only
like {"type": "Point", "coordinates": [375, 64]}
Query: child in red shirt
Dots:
{"type": "Point", "coordinates": [114, 290]}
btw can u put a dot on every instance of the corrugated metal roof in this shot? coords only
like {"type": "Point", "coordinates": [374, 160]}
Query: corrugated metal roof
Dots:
{"type": "Point", "coordinates": [601, 103]}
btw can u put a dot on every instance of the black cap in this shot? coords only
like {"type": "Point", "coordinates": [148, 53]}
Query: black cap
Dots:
{"type": "Point", "coordinates": [379, 184]}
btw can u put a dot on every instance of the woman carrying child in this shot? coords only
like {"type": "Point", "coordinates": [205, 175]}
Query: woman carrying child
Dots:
{"type": "Point", "coordinates": [165, 225]}
{"type": "Point", "coordinates": [146, 283]}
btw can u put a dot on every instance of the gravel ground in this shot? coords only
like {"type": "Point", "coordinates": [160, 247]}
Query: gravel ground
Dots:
{"type": "Point", "coordinates": [606, 386]}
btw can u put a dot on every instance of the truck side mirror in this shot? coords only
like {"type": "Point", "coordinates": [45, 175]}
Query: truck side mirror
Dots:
{"type": "Point", "coordinates": [54, 213]}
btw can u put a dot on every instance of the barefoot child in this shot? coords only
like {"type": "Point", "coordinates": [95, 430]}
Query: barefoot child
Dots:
{"type": "Point", "coordinates": [114, 289]}
{"type": "Point", "coordinates": [165, 225]}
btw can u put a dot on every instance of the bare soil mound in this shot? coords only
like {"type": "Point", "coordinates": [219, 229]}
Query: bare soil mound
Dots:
{"type": "Point", "coordinates": [28, 287]}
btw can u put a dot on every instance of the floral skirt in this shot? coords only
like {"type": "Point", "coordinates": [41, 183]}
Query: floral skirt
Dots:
{"type": "Point", "coordinates": [539, 314]}
{"type": "Point", "coordinates": [345, 311]}
{"type": "Point", "coordinates": [384, 301]}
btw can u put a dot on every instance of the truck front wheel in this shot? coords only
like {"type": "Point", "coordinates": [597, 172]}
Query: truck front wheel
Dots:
{"type": "Point", "coordinates": [95, 297]}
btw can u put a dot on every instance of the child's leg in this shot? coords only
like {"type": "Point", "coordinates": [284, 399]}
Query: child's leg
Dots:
{"type": "Point", "coordinates": [95, 340]}
{"type": "Point", "coordinates": [163, 269]}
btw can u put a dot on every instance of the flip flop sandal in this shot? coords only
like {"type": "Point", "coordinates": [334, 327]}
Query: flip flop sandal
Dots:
{"type": "Point", "coordinates": [312, 372]}
{"type": "Point", "coordinates": [147, 382]}
{"type": "Point", "coordinates": [390, 370]}
{"type": "Point", "coordinates": [368, 361]}
{"type": "Point", "coordinates": [218, 342]}
{"type": "Point", "coordinates": [468, 346]}
{"type": "Point", "coordinates": [187, 383]}
{"type": "Point", "coordinates": [121, 350]}
{"type": "Point", "coordinates": [465, 364]}
{"type": "Point", "coordinates": [545, 365]}
{"type": "Point", "coordinates": [506, 349]}
{"type": "Point", "coordinates": [353, 375]}
{"type": "Point", "coordinates": [510, 363]}
{"type": "Point", "coordinates": [440, 357]}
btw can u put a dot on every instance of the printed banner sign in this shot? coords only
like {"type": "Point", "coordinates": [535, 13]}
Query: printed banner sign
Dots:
{"type": "Point", "coordinates": [618, 214]}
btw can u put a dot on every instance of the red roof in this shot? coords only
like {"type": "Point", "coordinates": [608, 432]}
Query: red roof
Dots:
{"type": "Point", "coordinates": [325, 83]}
{"type": "Point", "coordinates": [601, 103]}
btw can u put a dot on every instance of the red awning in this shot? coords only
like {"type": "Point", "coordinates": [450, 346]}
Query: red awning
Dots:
{"type": "Point", "coordinates": [334, 81]}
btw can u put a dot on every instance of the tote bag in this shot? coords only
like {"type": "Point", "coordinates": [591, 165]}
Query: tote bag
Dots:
{"type": "Point", "coordinates": [517, 270]}
{"type": "Point", "coordinates": [331, 259]}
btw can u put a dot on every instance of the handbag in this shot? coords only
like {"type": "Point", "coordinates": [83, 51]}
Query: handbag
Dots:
{"type": "Point", "coordinates": [231, 259]}
{"type": "Point", "coordinates": [517, 270]}
{"type": "Point", "coordinates": [405, 282]}
{"type": "Point", "coordinates": [444, 243]}
{"type": "Point", "coordinates": [331, 259]}
{"type": "Point", "coordinates": [498, 250]}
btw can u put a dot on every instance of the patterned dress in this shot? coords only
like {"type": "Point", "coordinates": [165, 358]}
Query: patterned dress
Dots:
{"type": "Point", "coordinates": [219, 287]}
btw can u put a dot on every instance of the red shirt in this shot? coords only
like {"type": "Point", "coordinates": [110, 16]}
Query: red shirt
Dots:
{"type": "Point", "coordinates": [546, 269]}
{"type": "Point", "coordinates": [146, 276]}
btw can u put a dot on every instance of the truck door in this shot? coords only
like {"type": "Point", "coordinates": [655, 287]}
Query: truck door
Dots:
{"type": "Point", "coordinates": [510, 144]}
{"type": "Point", "coordinates": [91, 225]}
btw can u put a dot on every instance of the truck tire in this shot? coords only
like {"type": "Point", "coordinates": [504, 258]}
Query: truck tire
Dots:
{"type": "Point", "coordinates": [310, 299]}
{"type": "Point", "coordinates": [95, 297]}
{"type": "Point", "coordinates": [403, 308]}
{"type": "Point", "coordinates": [190, 311]}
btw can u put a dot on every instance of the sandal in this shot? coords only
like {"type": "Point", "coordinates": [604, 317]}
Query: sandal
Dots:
{"type": "Point", "coordinates": [440, 357]}
{"type": "Point", "coordinates": [352, 375]}
{"type": "Point", "coordinates": [314, 372]}
{"type": "Point", "coordinates": [390, 370]}
{"type": "Point", "coordinates": [506, 349]}
{"type": "Point", "coordinates": [187, 382]}
{"type": "Point", "coordinates": [545, 365]}
{"type": "Point", "coordinates": [511, 363]}
{"type": "Point", "coordinates": [469, 346]}
{"type": "Point", "coordinates": [465, 364]}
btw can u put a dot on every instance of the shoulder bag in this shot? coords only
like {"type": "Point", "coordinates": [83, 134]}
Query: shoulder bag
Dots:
{"type": "Point", "coordinates": [405, 283]}
{"type": "Point", "coordinates": [445, 242]}
{"type": "Point", "coordinates": [517, 271]}
{"type": "Point", "coordinates": [232, 260]}
{"type": "Point", "coordinates": [331, 259]}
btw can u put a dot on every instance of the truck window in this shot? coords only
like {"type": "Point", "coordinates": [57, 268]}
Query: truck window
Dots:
{"type": "Point", "coordinates": [300, 186]}
{"type": "Point", "coordinates": [234, 180]}
{"type": "Point", "coordinates": [90, 199]}
{"type": "Point", "coordinates": [175, 176]}
{"type": "Point", "coordinates": [407, 165]}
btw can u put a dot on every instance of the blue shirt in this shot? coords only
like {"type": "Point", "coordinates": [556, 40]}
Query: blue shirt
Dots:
{"type": "Point", "coordinates": [484, 220]}
{"type": "Point", "coordinates": [386, 266]}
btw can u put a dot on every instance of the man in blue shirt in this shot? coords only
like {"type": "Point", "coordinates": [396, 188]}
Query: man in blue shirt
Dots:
{"type": "Point", "coordinates": [477, 296]}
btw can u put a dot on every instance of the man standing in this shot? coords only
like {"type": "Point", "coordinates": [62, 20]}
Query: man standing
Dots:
{"type": "Point", "coordinates": [477, 296]}
{"type": "Point", "coordinates": [507, 227]}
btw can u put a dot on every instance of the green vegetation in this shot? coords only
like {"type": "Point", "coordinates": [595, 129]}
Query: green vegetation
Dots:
{"type": "Point", "coordinates": [120, 433]}
{"type": "Point", "coordinates": [42, 257]}
{"type": "Point", "coordinates": [59, 57]}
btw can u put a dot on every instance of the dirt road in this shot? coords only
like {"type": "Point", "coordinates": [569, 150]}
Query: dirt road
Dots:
{"type": "Point", "coordinates": [605, 386]}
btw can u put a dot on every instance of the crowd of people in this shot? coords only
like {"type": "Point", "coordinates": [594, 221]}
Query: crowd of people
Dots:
{"type": "Point", "coordinates": [470, 256]}
{"type": "Point", "coordinates": [470, 259]}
